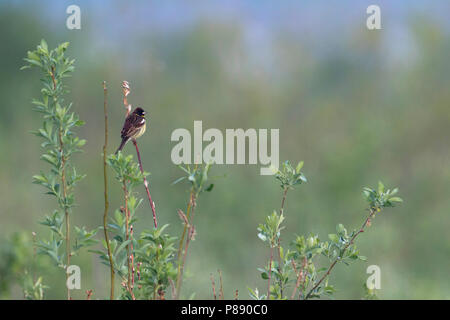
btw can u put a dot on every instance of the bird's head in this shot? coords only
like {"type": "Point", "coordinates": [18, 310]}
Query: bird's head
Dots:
{"type": "Point", "coordinates": [139, 111]}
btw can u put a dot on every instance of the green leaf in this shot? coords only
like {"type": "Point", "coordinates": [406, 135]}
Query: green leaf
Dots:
{"type": "Point", "coordinates": [299, 166]}
{"type": "Point", "coordinates": [333, 237]}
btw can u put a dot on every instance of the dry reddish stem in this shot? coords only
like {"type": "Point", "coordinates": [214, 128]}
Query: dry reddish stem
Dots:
{"type": "Point", "coordinates": [190, 230]}
{"type": "Point", "coordinates": [300, 275]}
{"type": "Point", "coordinates": [213, 286]}
{"type": "Point", "coordinates": [366, 223]}
{"type": "Point", "coordinates": [126, 91]}
{"type": "Point", "coordinates": [127, 230]}
{"type": "Point", "coordinates": [221, 285]}
{"type": "Point", "coordinates": [89, 294]}
{"type": "Point", "coordinates": [152, 204]}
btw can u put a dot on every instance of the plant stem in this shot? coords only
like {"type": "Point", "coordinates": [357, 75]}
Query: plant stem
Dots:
{"type": "Point", "coordinates": [213, 284]}
{"type": "Point", "coordinates": [127, 236]}
{"type": "Point", "coordinates": [152, 204]}
{"type": "Point", "coordinates": [285, 190]}
{"type": "Point", "coordinates": [270, 272]}
{"type": "Point", "coordinates": [63, 183]}
{"type": "Point", "coordinates": [126, 91]}
{"type": "Point", "coordinates": [297, 283]}
{"type": "Point", "coordinates": [188, 240]}
{"type": "Point", "coordinates": [131, 259]}
{"type": "Point", "coordinates": [300, 275]}
{"type": "Point", "coordinates": [371, 214]}
{"type": "Point", "coordinates": [188, 212]}
{"type": "Point", "coordinates": [221, 285]}
{"type": "Point", "coordinates": [283, 200]}
{"type": "Point", "coordinates": [105, 183]}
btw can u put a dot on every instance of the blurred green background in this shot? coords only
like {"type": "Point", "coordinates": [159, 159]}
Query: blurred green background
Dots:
{"type": "Point", "coordinates": [357, 106]}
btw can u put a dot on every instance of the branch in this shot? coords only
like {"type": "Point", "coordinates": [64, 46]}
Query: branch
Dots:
{"type": "Point", "coordinates": [190, 236]}
{"type": "Point", "coordinates": [221, 285]}
{"type": "Point", "coordinates": [279, 239]}
{"type": "Point", "coordinates": [105, 183]}
{"type": "Point", "coordinates": [152, 204]}
{"type": "Point", "coordinates": [126, 91]}
{"type": "Point", "coordinates": [213, 286]}
{"type": "Point", "coordinates": [371, 214]}
{"type": "Point", "coordinates": [63, 183]}
{"type": "Point", "coordinates": [127, 237]}
{"type": "Point", "coordinates": [270, 272]}
{"type": "Point", "coordinates": [188, 212]}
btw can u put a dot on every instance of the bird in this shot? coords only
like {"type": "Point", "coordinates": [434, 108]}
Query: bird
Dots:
{"type": "Point", "coordinates": [133, 128]}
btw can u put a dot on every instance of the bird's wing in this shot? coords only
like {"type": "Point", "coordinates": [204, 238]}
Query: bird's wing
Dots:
{"type": "Point", "coordinates": [132, 125]}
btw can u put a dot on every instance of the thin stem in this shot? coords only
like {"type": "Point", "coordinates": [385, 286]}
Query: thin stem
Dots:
{"type": "Point", "coordinates": [105, 184]}
{"type": "Point", "coordinates": [89, 294]}
{"type": "Point", "coordinates": [283, 201]}
{"type": "Point", "coordinates": [372, 212]}
{"type": "Point", "coordinates": [127, 236]}
{"type": "Point", "coordinates": [305, 273]}
{"type": "Point", "coordinates": [64, 185]}
{"type": "Point", "coordinates": [297, 283]}
{"type": "Point", "coordinates": [189, 237]}
{"type": "Point", "coordinates": [188, 212]}
{"type": "Point", "coordinates": [152, 204]}
{"type": "Point", "coordinates": [221, 285]}
{"type": "Point", "coordinates": [126, 91]}
{"type": "Point", "coordinates": [132, 263]}
{"type": "Point", "coordinates": [300, 275]}
{"type": "Point", "coordinates": [213, 284]}
{"type": "Point", "coordinates": [270, 272]}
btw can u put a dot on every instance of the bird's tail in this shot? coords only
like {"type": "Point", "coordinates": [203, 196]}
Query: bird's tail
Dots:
{"type": "Point", "coordinates": [122, 144]}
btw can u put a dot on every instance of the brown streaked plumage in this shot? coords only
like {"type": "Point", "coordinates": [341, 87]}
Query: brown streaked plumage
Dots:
{"type": "Point", "coordinates": [134, 127]}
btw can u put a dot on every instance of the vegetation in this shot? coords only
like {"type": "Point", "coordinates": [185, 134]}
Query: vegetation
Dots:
{"type": "Point", "coordinates": [148, 263]}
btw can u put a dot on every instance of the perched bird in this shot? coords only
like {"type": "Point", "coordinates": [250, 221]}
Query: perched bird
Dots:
{"type": "Point", "coordinates": [133, 128]}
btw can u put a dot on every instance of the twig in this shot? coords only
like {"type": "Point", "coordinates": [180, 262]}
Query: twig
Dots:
{"type": "Point", "coordinates": [188, 211]}
{"type": "Point", "coordinates": [126, 91]}
{"type": "Point", "coordinates": [285, 190]}
{"type": "Point", "coordinates": [64, 186]}
{"type": "Point", "coordinates": [152, 204]}
{"type": "Point", "coordinates": [283, 200]}
{"type": "Point", "coordinates": [172, 287]}
{"type": "Point", "coordinates": [297, 283]}
{"type": "Point", "coordinates": [191, 232]}
{"type": "Point", "coordinates": [132, 263]}
{"type": "Point", "coordinates": [236, 293]}
{"type": "Point", "coordinates": [213, 286]}
{"type": "Point", "coordinates": [300, 275]}
{"type": "Point", "coordinates": [371, 214]}
{"type": "Point", "coordinates": [33, 272]}
{"type": "Point", "coordinates": [270, 272]}
{"type": "Point", "coordinates": [127, 230]}
{"type": "Point", "coordinates": [221, 285]}
{"type": "Point", "coordinates": [304, 272]}
{"type": "Point", "coordinates": [105, 183]}
{"type": "Point", "coordinates": [89, 294]}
